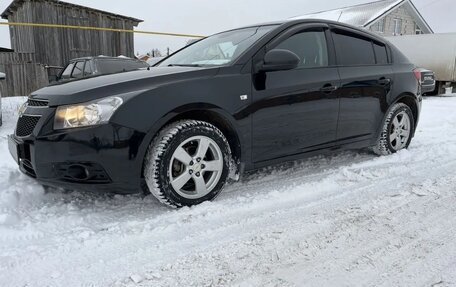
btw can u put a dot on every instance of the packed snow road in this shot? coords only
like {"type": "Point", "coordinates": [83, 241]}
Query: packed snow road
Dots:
{"type": "Point", "coordinates": [348, 219]}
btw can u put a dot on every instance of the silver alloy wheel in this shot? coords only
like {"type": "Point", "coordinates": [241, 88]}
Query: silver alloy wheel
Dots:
{"type": "Point", "coordinates": [400, 131]}
{"type": "Point", "coordinates": [196, 167]}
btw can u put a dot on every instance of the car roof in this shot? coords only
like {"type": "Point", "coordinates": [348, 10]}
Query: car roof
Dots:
{"type": "Point", "coordinates": [292, 22]}
{"type": "Point", "coordinates": [103, 58]}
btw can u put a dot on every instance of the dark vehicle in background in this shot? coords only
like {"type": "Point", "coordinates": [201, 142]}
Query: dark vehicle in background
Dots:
{"type": "Point", "coordinates": [427, 80]}
{"type": "Point", "coordinates": [232, 102]}
{"type": "Point", "coordinates": [96, 66]}
{"type": "Point", "coordinates": [2, 77]}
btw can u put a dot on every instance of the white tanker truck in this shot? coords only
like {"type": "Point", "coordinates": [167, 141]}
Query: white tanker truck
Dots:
{"type": "Point", "coordinates": [436, 52]}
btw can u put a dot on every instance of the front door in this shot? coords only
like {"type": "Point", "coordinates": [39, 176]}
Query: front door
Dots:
{"type": "Point", "coordinates": [296, 111]}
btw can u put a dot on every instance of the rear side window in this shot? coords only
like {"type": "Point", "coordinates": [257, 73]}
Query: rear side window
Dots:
{"type": "Point", "coordinates": [309, 46]}
{"type": "Point", "coordinates": [353, 51]}
{"type": "Point", "coordinates": [87, 69]}
{"type": "Point", "coordinates": [380, 54]}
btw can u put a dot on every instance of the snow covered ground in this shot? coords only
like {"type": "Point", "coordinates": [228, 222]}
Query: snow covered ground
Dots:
{"type": "Point", "coordinates": [348, 219]}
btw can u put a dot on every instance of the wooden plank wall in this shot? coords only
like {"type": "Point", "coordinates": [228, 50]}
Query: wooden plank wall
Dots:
{"type": "Point", "coordinates": [56, 46]}
{"type": "Point", "coordinates": [23, 75]}
{"type": "Point", "coordinates": [38, 47]}
{"type": "Point", "coordinates": [22, 39]}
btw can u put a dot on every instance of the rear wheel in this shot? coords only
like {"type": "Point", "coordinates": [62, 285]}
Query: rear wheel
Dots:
{"type": "Point", "coordinates": [187, 163]}
{"type": "Point", "coordinates": [398, 129]}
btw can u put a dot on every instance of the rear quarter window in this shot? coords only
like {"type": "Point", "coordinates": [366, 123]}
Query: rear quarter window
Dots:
{"type": "Point", "coordinates": [353, 50]}
{"type": "Point", "coordinates": [381, 54]}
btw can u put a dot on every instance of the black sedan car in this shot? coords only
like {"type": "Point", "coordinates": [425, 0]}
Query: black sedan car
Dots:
{"type": "Point", "coordinates": [232, 102]}
{"type": "Point", "coordinates": [101, 65]}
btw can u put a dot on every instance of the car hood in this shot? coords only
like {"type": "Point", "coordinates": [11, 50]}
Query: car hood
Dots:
{"type": "Point", "coordinates": [117, 84]}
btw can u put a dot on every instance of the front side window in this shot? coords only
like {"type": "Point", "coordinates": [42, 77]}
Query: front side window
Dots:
{"type": "Point", "coordinates": [78, 70]}
{"type": "Point", "coordinates": [309, 46]}
{"type": "Point", "coordinates": [352, 50]}
{"type": "Point", "coordinates": [218, 50]}
{"type": "Point", "coordinates": [66, 74]}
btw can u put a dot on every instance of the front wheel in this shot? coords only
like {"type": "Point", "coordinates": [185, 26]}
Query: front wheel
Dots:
{"type": "Point", "coordinates": [397, 131]}
{"type": "Point", "coordinates": [187, 163]}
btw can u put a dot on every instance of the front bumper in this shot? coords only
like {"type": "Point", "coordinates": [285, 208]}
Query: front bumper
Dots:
{"type": "Point", "coordinates": [101, 158]}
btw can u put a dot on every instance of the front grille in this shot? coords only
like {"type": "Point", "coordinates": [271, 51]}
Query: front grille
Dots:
{"type": "Point", "coordinates": [26, 125]}
{"type": "Point", "coordinates": [37, 103]}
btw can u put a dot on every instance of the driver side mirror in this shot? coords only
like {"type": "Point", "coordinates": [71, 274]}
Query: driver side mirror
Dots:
{"type": "Point", "coordinates": [2, 76]}
{"type": "Point", "coordinates": [280, 60]}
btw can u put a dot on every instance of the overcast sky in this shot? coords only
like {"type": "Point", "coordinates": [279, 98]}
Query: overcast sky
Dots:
{"type": "Point", "coordinates": [205, 17]}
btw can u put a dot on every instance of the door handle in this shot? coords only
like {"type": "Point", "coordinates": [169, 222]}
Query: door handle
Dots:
{"type": "Point", "coordinates": [384, 81]}
{"type": "Point", "coordinates": [328, 88]}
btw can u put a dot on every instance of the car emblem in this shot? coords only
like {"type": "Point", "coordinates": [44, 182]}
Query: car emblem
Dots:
{"type": "Point", "coordinates": [244, 97]}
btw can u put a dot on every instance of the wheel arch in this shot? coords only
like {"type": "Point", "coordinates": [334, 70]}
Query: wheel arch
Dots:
{"type": "Point", "coordinates": [408, 99]}
{"type": "Point", "coordinates": [411, 101]}
{"type": "Point", "coordinates": [202, 112]}
{"type": "Point", "coordinates": [215, 117]}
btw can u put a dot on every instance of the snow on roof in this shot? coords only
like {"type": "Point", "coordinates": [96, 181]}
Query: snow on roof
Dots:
{"type": "Point", "coordinates": [358, 15]}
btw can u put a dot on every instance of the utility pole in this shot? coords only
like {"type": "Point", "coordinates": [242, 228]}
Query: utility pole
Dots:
{"type": "Point", "coordinates": [167, 51]}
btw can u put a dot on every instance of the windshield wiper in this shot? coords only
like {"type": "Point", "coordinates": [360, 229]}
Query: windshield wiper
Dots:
{"type": "Point", "coordinates": [184, 65]}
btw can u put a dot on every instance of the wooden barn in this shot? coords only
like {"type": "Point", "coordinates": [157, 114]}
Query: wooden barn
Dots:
{"type": "Point", "coordinates": [38, 47]}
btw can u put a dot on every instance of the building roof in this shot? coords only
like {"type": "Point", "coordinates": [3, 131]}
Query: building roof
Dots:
{"type": "Point", "coordinates": [18, 3]}
{"type": "Point", "coordinates": [6, 50]}
{"type": "Point", "coordinates": [364, 15]}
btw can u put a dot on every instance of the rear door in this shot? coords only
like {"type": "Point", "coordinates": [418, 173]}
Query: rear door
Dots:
{"type": "Point", "coordinates": [296, 111]}
{"type": "Point", "coordinates": [366, 76]}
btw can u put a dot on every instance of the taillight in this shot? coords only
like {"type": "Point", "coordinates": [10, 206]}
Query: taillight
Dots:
{"type": "Point", "coordinates": [417, 73]}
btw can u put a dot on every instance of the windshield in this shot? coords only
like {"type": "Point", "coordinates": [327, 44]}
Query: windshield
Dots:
{"type": "Point", "coordinates": [218, 50]}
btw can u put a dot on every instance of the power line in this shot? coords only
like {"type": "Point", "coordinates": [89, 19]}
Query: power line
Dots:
{"type": "Point", "coordinates": [59, 26]}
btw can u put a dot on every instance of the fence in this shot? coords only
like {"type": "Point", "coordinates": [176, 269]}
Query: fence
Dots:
{"type": "Point", "coordinates": [28, 76]}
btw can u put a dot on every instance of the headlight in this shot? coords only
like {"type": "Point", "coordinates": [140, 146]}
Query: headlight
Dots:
{"type": "Point", "coordinates": [87, 114]}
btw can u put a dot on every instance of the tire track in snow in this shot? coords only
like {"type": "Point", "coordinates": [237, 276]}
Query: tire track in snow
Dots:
{"type": "Point", "coordinates": [254, 228]}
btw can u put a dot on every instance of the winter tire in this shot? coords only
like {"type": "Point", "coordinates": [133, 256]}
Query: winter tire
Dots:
{"type": "Point", "coordinates": [397, 131]}
{"type": "Point", "coordinates": [187, 163]}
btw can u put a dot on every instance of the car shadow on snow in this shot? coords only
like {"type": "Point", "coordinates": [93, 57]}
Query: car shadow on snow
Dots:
{"type": "Point", "coordinates": [115, 206]}
{"type": "Point", "coordinates": [293, 172]}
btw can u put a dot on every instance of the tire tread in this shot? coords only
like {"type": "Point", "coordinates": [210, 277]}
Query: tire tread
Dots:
{"type": "Point", "coordinates": [382, 147]}
{"type": "Point", "coordinates": [157, 148]}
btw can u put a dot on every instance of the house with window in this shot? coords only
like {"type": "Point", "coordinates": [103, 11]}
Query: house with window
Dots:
{"type": "Point", "coordinates": [386, 17]}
